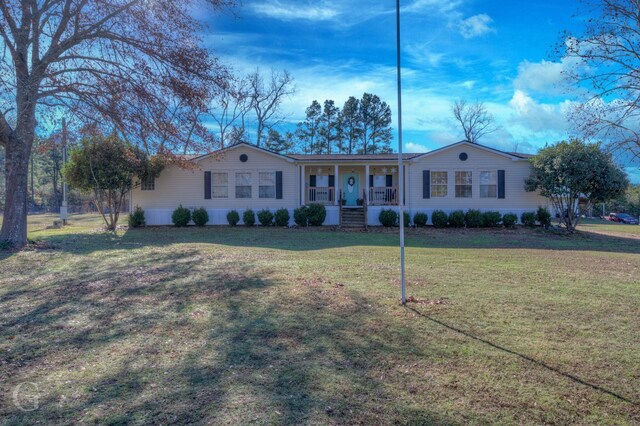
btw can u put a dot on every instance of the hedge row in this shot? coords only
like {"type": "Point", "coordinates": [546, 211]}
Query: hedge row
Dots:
{"type": "Point", "coordinates": [472, 218]}
{"type": "Point", "coordinates": [182, 216]}
{"type": "Point", "coordinates": [315, 215]}
{"type": "Point", "coordinates": [265, 216]}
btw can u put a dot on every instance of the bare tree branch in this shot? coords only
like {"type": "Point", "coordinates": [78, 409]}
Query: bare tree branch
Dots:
{"type": "Point", "coordinates": [474, 118]}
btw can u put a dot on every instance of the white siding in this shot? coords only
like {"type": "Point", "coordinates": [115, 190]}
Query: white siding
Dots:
{"type": "Point", "coordinates": [516, 200]}
{"type": "Point", "coordinates": [177, 186]}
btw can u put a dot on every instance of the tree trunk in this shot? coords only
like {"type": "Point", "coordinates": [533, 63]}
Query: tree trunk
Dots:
{"type": "Point", "coordinates": [18, 145]}
{"type": "Point", "coordinates": [14, 224]}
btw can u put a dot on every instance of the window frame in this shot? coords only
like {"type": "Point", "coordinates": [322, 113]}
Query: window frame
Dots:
{"type": "Point", "coordinates": [148, 184]}
{"type": "Point", "coordinates": [432, 186]}
{"type": "Point", "coordinates": [481, 185]}
{"type": "Point", "coordinates": [213, 185]}
{"type": "Point", "coordinates": [457, 185]}
{"type": "Point", "coordinates": [260, 185]}
{"type": "Point", "coordinates": [250, 186]}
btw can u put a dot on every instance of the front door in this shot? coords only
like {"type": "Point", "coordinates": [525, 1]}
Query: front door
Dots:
{"type": "Point", "coordinates": [350, 189]}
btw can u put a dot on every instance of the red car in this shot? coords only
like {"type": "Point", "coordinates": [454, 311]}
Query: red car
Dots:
{"type": "Point", "coordinates": [621, 218]}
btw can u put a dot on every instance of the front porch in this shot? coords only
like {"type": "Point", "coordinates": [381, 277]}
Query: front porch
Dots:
{"type": "Point", "coordinates": [349, 185]}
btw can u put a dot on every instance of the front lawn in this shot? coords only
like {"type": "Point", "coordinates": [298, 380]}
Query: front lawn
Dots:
{"type": "Point", "coordinates": [271, 326]}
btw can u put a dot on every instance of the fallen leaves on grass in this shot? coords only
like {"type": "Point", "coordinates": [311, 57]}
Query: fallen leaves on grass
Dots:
{"type": "Point", "coordinates": [442, 301]}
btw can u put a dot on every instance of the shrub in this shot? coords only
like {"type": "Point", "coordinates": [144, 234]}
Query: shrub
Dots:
{"type": "Point", "coordinates": [473, 218]}
{"type": "Point", "coordinates": [388, 217]}
{"type": "Point", "coordinates": [301, 216]}
{"type": "Point", "coordinates": [316, 214]}
{"type": "Point", "coordinates": [439, 219]}
{"type": "Point", "coordinates": [543, 216]}
{"type": "Point", "coordinates": [420, 219]}
{"type": "Point", "coordinates": [282, 217]}
{"type": "Point", "coordinates": [233, 218]}
{"type": "Point", "coordinates": [200, 216]}
{"type": "Point", "coordinates": [456, 219]}
{"type": "Point", "coordinates": [491, 219]}
{"type": "Point", "coordinates": [509, 220]}
{"type": "Point", "coordinates": [181, 216]}
{"type": "Point", "coordinates": [528, 219]}
{"type": "Point", "coordinates": [136, 218]}
{"type": "Point", "coordinates": [265, 217]}
{"type": "Point", "coordinates": [407, 219]}
{"type": "Point", "coordinates": [249, 217]}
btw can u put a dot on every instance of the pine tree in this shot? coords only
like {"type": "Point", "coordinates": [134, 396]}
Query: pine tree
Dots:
{"type": "Point", "coordinates": [375, 122]}
{"type": "Point", "coordinates": [349, 126]}
{"type": "Point", "coordinates": [329, 127]}
{"type": "Point", "coordinates": [310, 127]}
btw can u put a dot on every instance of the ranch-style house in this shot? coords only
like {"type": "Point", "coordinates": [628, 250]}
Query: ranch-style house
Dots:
{"type": "Point", "coordinates": [354, 188]}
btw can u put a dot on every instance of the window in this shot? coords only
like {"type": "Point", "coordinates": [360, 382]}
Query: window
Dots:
{"type": "Point", "coordinates": [267, 184]}
{"type": "Point", "coordinates": [322, 181]}
{"type": "Point", "coordinates": [243, 185]}
{"type": "Point", "coordinates": [463, 185]}
{"type": "Point", "coordinates": [489, 184]}
{"type": "Point", "coordinates": [439, 184]}
{"type": "Point", "coordinates": [219, 185]}
{"type": "Point", "coordinates": [148, 184]}
{"type": "Point", "coordinates": [379, 181]}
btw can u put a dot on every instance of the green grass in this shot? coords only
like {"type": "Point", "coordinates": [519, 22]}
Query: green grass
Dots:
{"type": "Point", "coordinates": [270, 326]}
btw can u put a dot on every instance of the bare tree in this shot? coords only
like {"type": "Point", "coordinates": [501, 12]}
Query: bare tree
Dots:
{"type": "Point", "coordinates": [230, 109]}
{"type": "Point", "coordinates": [605, 60]}
{"type": "Point", "coordinates": [266, 98]}
{"type": "Point", "coordinates": [134, 64]}
{"type": "Point", "coordinates": [474, 118]}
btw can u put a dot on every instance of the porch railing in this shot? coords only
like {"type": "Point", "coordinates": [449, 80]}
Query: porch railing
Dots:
{"type": "Point", "coordinates": [383, 196]}
{"type": "Point", "coordinates": [321, 195]}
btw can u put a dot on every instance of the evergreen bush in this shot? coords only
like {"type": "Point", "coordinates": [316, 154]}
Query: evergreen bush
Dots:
{"type": "Point", "coordinates": [265, 217]}
{"type": "Point", "coordinates": [233, 217]}
{"type": "Point", "coordinates": [136, 218]}
{"type": "Point", "coordinates": [200, 216]}
{"type": "Point", "coordinates": [249, 217]}
{"type": "Point", "coordinates": [181, 216]}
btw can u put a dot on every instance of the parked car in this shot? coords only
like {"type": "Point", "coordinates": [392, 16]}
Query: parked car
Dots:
{"type": "Point", "coordinates": [622, 218]}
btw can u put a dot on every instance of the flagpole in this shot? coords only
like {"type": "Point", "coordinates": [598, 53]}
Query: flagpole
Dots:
{"type": "Point", "coordinates": [400, 166]}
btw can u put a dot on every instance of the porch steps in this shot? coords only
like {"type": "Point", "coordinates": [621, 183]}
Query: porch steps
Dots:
{"type": "Point", "coordinates": [352, 218]}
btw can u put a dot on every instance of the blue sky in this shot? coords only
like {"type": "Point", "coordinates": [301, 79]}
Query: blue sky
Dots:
{"type": "Point", "coordinates": [498, 52]}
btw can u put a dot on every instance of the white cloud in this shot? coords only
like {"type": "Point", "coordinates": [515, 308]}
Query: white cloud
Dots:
{"type": "Point", "coordinates": [476, 26]}
{"type": "Point", "coordinates": [538, 117]}
{"type": "Point", "coordinates": [543, 77]}
{"type": "Point", "coordinates": [294, 11]}
{"type": "Point", "coordinates": [412, 147]}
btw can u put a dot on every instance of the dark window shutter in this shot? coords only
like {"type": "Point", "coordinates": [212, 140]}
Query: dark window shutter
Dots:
{"type": "Point", "coordinates": [371, 181]}
{"type": "Point", "coordinates": [207, 185]}
{"type": "Point", "coordinates": [332, 181]}
{"type": "Point", "coordinates": [426, 184]}
{"type": "Point", "coordinates": [389, 181]}
{"type": "Point", "coordinates": [500, 183]}
{"type": "Point", "coordinates": [278, 185]}
{"type": "Point", "coordinates": [312, 181]}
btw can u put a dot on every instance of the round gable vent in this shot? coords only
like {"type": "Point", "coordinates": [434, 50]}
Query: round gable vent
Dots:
{"type": "Point", "coordinates": [463, 156]}
{"type": "Point", "coordinates": [244, 158]}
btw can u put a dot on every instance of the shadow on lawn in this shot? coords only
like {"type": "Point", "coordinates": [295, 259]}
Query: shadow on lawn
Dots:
{"type": "Point", "coordinates": [534, 361]}
{"type": "Point", "coordinates": [319, 239]}
{"type": "Point", "coordinates": [153, 344]}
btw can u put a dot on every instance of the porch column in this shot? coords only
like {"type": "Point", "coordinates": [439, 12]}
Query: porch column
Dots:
{"type": "Point", "coordinates": [336, 185]}
{"type": "Point", "coordinates": [366, 183]}
{"type": "Point", "coordinates": [302, 185]}
{"type": "Point", "coordinates": [406, 186]}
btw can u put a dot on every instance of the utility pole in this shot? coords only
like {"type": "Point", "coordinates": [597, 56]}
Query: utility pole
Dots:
{"type": "Point", "coordinates": [63, 207]}
{"type": "Point", "coordinates": [400, 166]}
